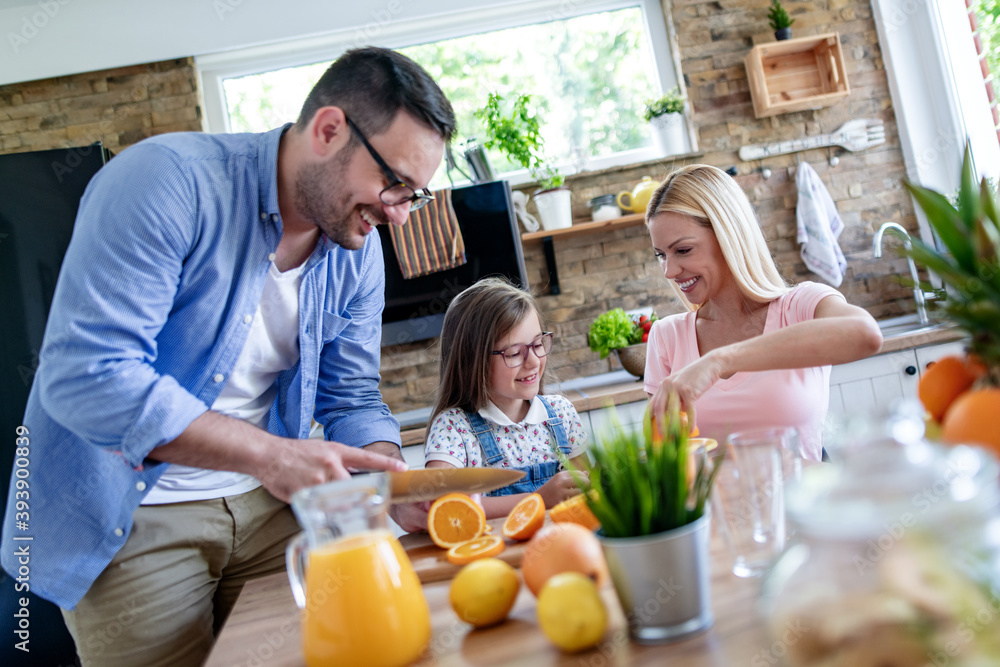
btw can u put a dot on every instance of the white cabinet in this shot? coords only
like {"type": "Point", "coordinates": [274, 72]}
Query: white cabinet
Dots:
{"type": "Point", "coordinates": [629, 415]}
{"type": "Point", "coordinates": [875, 382]}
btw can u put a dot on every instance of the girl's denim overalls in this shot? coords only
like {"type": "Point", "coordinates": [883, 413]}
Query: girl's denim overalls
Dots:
{"type": "Point", "coordinates": [537, 474]}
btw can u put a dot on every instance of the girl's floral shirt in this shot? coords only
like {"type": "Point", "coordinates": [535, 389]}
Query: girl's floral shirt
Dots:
{"type": "Point", "coordinates": [450, 438]}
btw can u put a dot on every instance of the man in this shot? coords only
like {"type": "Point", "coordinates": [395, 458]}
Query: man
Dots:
{"type": "Point", "coordinates": [219, 292]}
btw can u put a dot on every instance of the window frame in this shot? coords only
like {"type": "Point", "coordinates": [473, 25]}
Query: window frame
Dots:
{"type": "Point", "coordinates": [213, 69]}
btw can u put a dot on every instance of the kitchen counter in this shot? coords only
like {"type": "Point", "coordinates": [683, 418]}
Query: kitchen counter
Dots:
{"type": "Point", "coordinates": [620, 388]}
{"type": "Point", "coordinates": [264, 629]}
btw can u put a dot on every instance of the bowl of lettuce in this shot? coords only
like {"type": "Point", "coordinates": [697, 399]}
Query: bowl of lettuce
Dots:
{"type": "Point", "coordinates": [624, 333]}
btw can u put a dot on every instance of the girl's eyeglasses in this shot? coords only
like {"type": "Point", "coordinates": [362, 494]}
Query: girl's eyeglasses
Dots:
{"type": "Point", "coordinates": [515, 355]}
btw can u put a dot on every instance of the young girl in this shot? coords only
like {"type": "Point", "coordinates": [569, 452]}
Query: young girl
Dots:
{"type": "Point", "coordinates": [490, 412]}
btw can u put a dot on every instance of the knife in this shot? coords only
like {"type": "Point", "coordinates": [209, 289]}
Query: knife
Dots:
{"type": "Point", "coordinates": [414, 486]}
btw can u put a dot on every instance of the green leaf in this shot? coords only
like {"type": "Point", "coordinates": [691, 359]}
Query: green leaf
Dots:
{"type": "Point", "coordinates": [969, 209]}
{"type": "Point", "coordinates": [947, 222]}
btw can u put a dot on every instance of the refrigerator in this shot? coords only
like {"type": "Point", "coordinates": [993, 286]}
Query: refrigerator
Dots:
{"type": "Point", "coordinates": [39, 196]}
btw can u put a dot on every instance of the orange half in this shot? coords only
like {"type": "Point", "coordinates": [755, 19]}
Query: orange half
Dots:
{"type": "Point", "coordinates": [485, 546]}
{"type": "Point", "coordinates": [455, 518]}
{"type": "Point", "coordinates": [575, 510]}
{"type": "Point", "coordinates": [526, 518]}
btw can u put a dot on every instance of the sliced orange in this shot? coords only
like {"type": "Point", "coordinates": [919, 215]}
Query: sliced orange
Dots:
{"type": "Point", "coordinates": [455, 518]}
{"type": "Point", "coordinates": [485, 546]}
{"type": "Point", "coordinates": [526, 518]}
{"type": "Point", "coordinates": [575, 510]}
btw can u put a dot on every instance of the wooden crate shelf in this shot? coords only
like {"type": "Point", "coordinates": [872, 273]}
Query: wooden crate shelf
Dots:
{"type": "Point", "coordinates": [797, 74]}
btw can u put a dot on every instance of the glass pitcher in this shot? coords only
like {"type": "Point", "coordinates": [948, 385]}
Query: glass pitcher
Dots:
{"type": "Point", "coordinates": [352, 579]}
{"type": "Point", "coordinates": [896, 560]}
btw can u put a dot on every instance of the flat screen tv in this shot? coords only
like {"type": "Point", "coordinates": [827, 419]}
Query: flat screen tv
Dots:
{"type": "Point", "coordinates": [414, 308]}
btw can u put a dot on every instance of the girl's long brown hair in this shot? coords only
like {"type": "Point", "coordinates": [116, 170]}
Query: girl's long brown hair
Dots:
{"type": "Point", "coordinates": [476, 320]}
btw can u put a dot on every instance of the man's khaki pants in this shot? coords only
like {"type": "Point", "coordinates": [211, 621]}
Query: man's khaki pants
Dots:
{"type": "Point", "coordinates": [165, 595]}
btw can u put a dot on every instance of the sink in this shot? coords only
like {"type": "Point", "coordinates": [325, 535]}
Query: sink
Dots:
{"type": "Point", "coordinates": [907, 324]}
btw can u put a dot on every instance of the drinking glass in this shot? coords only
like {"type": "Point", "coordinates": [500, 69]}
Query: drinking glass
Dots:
{"type": "Point", "coordinates": [748, 497]}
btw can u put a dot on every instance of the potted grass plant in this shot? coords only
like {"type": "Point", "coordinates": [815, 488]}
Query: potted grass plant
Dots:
{"type": "Point", "coordinates": [781, 22]}
{"type": "Point", "coordinates": [514, 130]}
{"type": "Point", "coordinates": [665, 116]}
{"type": "Point", "coordinates": [650, 493]}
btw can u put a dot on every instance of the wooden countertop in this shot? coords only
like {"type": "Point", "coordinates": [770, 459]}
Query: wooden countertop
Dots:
{"type": "Point", "coordinates": [264, 629]}
{"type": "Point", "coordinates": [620, 393]}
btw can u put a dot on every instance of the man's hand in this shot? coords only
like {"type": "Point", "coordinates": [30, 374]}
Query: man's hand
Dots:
{"type": "Point", "coordinates": [303, 463]}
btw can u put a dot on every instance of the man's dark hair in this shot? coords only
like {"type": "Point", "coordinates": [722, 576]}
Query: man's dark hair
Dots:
{"type": "Point", "coordinates": [372, 84]}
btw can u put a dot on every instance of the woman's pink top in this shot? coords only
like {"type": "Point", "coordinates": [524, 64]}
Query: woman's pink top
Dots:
{"type": "Point", "coordinates": [797, 397]}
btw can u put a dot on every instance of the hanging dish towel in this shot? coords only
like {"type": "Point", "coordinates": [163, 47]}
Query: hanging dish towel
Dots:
{"type": "Point", "coordinates": [431, 240]}
{"type": "Point", "coordinates": [819, 227]}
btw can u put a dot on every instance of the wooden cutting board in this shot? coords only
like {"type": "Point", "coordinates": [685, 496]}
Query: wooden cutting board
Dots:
{"type": "Point", "coordinates": [429, 560]}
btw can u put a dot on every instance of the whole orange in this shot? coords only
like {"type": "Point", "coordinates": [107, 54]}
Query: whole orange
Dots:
{"type": "Point", "coordinates": [562, 547]}
{"type": "Point", "coordinates": [944, 381]}
{"type": "Point", "coordinates": [974, 419]}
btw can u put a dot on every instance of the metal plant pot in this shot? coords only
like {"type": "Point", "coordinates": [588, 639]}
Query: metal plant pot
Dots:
{"type": "Point", "coordinates": [663, 581]}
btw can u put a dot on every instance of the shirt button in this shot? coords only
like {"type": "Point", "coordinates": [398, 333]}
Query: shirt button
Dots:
{"type": "Point", "coordinates": [263, 216]}
{"type": "Point", "coordinates": [247, 319]}
{"type": "Point", "coordinates": [218, 377]}
{"type": "Point", "coordinates": [272, 256]}
{"type": "Point", "coordinates": [119, 532]}
{"type": "Point", "coordinates": [141, 486]}
{"type": "Point", "coordinates": [274, 217]}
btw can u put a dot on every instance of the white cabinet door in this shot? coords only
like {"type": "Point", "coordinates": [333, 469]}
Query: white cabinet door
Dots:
{"type": "Point", "coordinates": [628, 415]}
{"type": "Point", "coordinates": [863, 385]}
{"type": "Point", "coordinates": [928, 355]}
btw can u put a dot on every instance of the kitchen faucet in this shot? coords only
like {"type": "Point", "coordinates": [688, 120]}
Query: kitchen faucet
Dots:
{"type": "Point", "coordinates": [919, 295]}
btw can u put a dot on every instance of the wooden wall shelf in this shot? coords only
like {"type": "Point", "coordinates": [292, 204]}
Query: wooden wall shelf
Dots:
{"type": "Point", "coordinates": [546, 236]}
{"type": "Point", "coordinates": [586, 228]}
{"type": "Point", "coordinates": [797, 74]}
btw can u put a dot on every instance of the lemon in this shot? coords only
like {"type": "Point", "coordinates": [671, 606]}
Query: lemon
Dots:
{"type": "Point", "coordinates": [483, 592]}
{"type": "Point", "coordinates": [571, 612]}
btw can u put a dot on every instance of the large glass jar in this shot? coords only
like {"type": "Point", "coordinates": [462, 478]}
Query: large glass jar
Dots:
{"type": "Point", "coordinates": [895, 561]}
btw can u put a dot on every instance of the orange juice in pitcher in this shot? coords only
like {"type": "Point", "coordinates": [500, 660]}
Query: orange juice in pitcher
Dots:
{"type": "Point", "coordinates": [362, 602]}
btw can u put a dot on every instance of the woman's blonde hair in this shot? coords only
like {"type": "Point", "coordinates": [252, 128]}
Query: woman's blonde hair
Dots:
{"type": "Point", "coordinates": [476, 320]}
{"type": "Point", "coordinates": [713, 199]}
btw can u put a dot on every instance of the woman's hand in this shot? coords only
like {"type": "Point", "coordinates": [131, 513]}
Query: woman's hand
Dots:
{"type": "Point", "coordinates": [690, 383]}
{"type": "Point", "coordinates": [560, 487]}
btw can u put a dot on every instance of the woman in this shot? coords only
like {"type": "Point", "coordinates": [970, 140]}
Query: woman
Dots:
{"type": "Point", "coordinates": [751, 352]}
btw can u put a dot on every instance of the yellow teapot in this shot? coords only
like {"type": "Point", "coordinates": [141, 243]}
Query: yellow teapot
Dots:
{"type": "Point", "coordinates": [637, 200]}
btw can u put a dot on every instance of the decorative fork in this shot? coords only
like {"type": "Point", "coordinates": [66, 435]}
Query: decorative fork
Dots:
{"type": "Point", "coordinates": [854, 135]}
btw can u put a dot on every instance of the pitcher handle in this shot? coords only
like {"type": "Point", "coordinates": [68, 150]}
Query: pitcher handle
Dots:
{"type": "Point", "coordinates": [296, 558]}
{"type": "Point", "coordinates": [622, 198]}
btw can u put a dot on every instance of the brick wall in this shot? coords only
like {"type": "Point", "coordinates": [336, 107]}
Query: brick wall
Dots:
{"type": "Point", "coordinates": [118, 107]}
{"type": "Point", "coordinates": [597, 272]}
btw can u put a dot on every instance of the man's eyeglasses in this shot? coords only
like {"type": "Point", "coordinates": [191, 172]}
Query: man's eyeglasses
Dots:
{"type": "Point", "coordinates": [516, 355]}
{"type": "Point", "coordinates": [397, 192]}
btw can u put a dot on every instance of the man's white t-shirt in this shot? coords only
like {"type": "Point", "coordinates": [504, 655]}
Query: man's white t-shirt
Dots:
{"type": "Point", "coordinates": [271, 347]}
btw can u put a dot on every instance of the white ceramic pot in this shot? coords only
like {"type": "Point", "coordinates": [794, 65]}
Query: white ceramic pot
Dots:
{"type": "Point", "coordinates": [554, 208]}
{"type": "Point", "coordinates": [668, 133]}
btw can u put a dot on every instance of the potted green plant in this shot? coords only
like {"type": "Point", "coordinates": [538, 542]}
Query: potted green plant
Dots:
{"type": "Point", "coordinates": [650, 493]}
{"type": "Point", "coordinates": [781, 22]}
{"type": "Point", "coordinates": [515, 131]}
{"type": "Point", "coordinates": [665, 116]}
{"type": "Point", "coordinates": [625, 334]}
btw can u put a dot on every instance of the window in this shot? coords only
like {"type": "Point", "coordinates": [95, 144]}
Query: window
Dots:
{"type": "Point", "coordinates": [588, 72]}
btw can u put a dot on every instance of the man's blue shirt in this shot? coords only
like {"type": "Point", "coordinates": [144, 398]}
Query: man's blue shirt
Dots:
{"type": "Point", "coordinates": [168, 257]}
